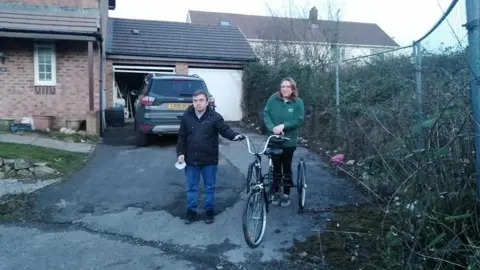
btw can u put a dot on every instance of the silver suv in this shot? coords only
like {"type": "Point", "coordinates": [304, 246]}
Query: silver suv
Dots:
{"type": "Point", "coordinates": [162, 102]}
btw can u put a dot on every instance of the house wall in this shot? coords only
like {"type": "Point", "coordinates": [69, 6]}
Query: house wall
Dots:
{"type": "Point", "coordinates": [69, 99]}
{"type": "Point", "coordinates": [60, 3]}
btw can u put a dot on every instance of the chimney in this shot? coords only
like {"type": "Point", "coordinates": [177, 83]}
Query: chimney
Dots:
{"type": "Point", "coordinates": [313, 15]}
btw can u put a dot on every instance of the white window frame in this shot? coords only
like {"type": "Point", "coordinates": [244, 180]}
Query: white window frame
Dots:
{"type": "Point", "coordinates": [53, 81]}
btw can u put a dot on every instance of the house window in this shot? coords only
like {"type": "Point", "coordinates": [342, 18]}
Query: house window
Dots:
{"type": "Point", "coordinates": [226, 23]}
{"type": "Point", "coordinates": [44, 60]}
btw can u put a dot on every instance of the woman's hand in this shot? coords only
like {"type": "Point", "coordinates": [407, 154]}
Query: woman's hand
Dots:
{"type": "Point", "coordinates": [278, 129]}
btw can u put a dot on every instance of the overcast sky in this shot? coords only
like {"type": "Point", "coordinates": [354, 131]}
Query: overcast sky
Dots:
{"type": "Point", "coordinates": [404, 20]}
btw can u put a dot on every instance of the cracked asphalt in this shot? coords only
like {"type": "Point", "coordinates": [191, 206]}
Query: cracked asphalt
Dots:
{"type": "Point", "coordinates": [124, 210]}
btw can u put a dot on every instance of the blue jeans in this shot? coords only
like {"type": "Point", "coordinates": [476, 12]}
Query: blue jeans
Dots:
{"type": "Point", "coordinates": [209, 175]}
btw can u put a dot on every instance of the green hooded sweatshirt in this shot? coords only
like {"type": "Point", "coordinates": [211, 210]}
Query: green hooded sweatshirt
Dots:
{"type": "Point", "coordinates": [290, 113]}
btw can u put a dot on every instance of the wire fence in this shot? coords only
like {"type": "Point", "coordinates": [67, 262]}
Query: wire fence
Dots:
{"type": "Point", "coordinates": [403, 120]}
{"type": "Point", "coordinates": [387, 100]}
{"type": "Point", "coordinates": [414, 85]}
{"type": "Point", "coordinates": [391, 103]}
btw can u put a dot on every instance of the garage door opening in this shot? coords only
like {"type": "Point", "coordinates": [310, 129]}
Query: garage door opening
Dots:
{"type": "Point", "coordinates": [126, 91]}
{"type": "Point", "coordinates": [226, 86]}
{"type": "Point", "coordinates": [127, 84]}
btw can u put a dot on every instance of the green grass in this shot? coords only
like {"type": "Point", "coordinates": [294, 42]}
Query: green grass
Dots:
{"type": "Point", "coordinates": [63, 161]}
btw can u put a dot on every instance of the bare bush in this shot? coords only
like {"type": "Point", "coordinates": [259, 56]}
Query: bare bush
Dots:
{"type": "Point", "coordinates": [419, 162]}
{"type": "Point", "coordinates": [298, 36]}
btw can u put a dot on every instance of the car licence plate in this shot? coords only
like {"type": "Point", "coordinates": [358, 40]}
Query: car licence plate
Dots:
{"type": "Point", "coordinates": [178, 106]}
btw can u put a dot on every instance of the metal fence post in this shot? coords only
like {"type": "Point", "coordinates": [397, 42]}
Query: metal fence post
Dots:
{"type": "Point", "coordinates": [417, 54]}
{"type": "Point", "coordinates": [337, 88]}
{"type": "Point", "coordinates": [418, 60]}
{"type": "Point", "coordinates": [472, 25]}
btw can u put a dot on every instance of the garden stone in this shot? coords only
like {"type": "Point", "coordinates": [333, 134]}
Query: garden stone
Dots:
{"type": "Point", "coordinates": [24, 173]}
{"type": "Point", "coordinates": [11, 173]}
{"type": "Point", "coordinates": [43, 171]}
{"type": "Point", "coordinates": [22, 168]}
{"type": "Point", "coordinates": [9, 161]}
{"type": "Point", "coordinates": [21, 164]}
{"type": "Point", "coordinates": [7, 168]}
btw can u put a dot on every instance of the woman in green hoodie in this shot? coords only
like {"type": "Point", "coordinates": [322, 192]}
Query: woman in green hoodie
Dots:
{"type": "Point", "coordinates": [284, 113]}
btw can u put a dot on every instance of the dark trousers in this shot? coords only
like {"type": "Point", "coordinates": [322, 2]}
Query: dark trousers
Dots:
{"type": "Point", "coordinates": [282, 167]}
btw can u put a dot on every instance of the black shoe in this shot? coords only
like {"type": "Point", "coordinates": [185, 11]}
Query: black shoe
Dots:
{"type": "Point", "coordinates": [190, 218]}
{"type": "Point", "coordinates": [210, 215]}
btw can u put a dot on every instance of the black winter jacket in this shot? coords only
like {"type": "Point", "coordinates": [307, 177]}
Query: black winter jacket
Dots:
{"type": "Point", "coordinates": [198, 138]}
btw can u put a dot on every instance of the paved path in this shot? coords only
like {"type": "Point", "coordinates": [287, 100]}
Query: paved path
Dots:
{"type": "Point", "coordinates": [46, 142]}
{"type": "Point", "coordinates": [124, 210]}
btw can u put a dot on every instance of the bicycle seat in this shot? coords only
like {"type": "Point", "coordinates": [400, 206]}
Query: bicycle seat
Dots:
{"type": "Point", "coordinates": [273, 151]}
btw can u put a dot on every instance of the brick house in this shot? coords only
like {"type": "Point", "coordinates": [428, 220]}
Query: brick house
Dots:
{"type": "Point", "coordinates": [51, 60]}
{"type": "Point", "coordinates": [65, 59]}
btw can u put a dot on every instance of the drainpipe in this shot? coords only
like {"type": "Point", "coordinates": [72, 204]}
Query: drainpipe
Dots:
{"type": "Point", "coordinates": [100, 83]}
{"type": "Point", "coordinates": [101, 69]}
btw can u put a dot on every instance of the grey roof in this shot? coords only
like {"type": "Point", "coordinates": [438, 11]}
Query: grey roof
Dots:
{"type": "Point", "coordinates": [297, 29]}
{"type": "Point", "coordinates": [21, 20]}
{"type": "Point", "coordinates": [176, 40]}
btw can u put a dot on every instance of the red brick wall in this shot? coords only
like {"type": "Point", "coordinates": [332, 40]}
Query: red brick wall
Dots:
{"type": "Point", "coordinates": [109, 83]}
{"type": "Point", "coordinates": [60, 3]}
{"type": "Point", "coordinates": [70, 101]}
{"type": "Point", "coordinates": [181, 68]}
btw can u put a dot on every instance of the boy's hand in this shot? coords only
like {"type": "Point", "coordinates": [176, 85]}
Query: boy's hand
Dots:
{"type": "Point", "coordinates": [239, 137]}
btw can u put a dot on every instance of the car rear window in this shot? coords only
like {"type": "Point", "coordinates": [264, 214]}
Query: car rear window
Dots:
{"type": "Point", "coordinates": [176, 87]}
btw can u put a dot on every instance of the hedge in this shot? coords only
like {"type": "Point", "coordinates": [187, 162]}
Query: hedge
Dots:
{"type": "Point", "coordinates": [407, 156]}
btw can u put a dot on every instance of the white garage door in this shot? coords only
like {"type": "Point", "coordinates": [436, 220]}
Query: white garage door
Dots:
{"type": "Point", "coordinates": [226, 87]}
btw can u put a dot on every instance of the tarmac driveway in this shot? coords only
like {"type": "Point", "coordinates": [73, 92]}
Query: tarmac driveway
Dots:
{"type": "Point", "coordinates": [125, 211]}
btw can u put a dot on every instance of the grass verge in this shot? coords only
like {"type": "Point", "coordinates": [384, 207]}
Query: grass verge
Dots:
{"type": "Point", "coordinates": [57, 135]}
{"type": "Point", "coordinates": [63, 161]}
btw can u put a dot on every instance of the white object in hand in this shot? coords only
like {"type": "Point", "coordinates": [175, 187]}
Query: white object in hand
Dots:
{"type": "Point", "coordinates": [180, 165]}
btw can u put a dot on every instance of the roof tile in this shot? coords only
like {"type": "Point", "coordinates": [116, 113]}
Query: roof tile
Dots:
{"type": "Point", "coordinates": [293, 29]}
{"type": "Point", "coordinates": [177, 40]}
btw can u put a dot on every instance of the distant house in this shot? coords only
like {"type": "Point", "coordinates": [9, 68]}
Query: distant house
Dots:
{"type": "Point", "coordinates": [309, 38]}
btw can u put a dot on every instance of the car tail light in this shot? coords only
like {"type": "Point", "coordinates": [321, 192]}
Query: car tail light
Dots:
{"type": "Point", "coordinates": [145, 127]}
{"type": "Point", "coordinates": [147, 100]}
